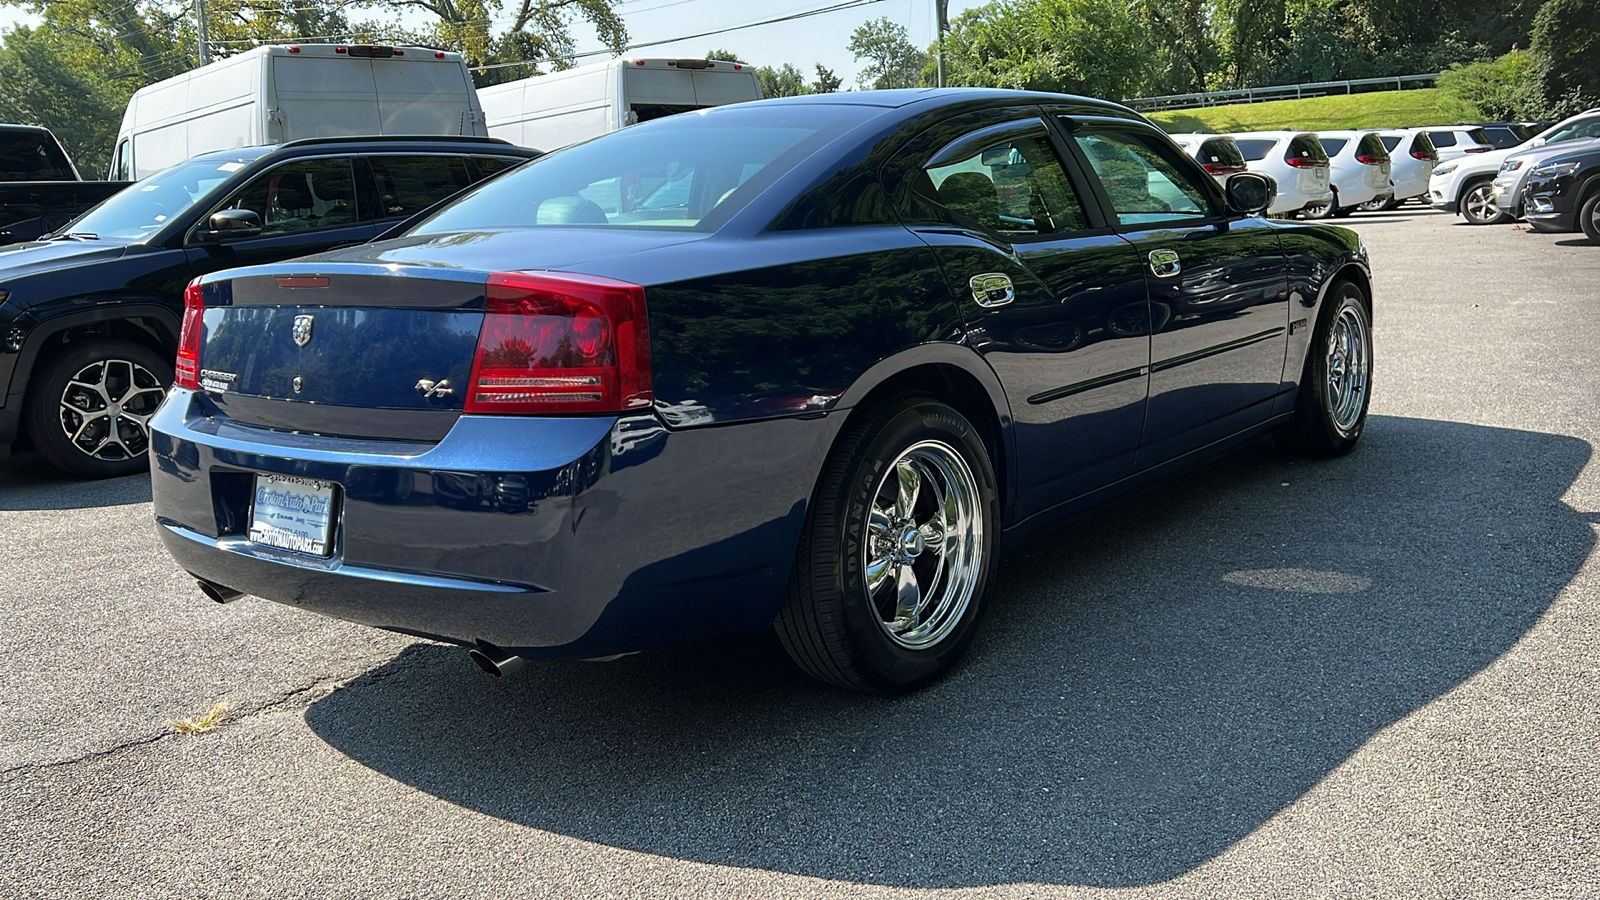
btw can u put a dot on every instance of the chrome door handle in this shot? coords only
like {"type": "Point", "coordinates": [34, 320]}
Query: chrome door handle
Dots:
{"type": "Point", "coordinates": [1165, 263]}
{"type": "Point", "coordinates": [992, 289]}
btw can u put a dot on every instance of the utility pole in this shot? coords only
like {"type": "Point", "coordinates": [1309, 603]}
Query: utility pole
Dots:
{"type": "Point", "coordinates": [944, 25]}
{"type": "Point", "coordinates": [200, 31]}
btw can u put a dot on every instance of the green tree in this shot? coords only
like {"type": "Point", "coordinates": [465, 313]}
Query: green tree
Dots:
{"type": "Point", "coordinates": [1186, 53]}
{"type": "Point", "coordinates": [1103, 48]}
{"type": "Point", "coordinates": [784, 81]}
{"type": "Point", "coordinates": [1497, 90]}
{"type": "Point", "coordinates": [728, 55]}
{"type": "Point", "coordinates": [892, 60]}
{"type": "Point", "coordinates": [826, 82]}
{"type": "Point", "coordinates": [1566, 56]}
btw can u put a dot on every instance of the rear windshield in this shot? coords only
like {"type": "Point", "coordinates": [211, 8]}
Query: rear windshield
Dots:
{"type": "Point", "coordinates": [684, 172]}
{"type": "Point", "coordinates": [1371, 146]}
{"type": "Point", "coordinates": [1477, 135]}
{"type": "Point", "coordinates": [1304, 146]}
{"type": "Point", "coordinates": [1332, 146]}
{"type": "Point", "coordinates": [1255, 148]}
{"type": "Point", "coordinates": [1422, 144]}
{"type": "Point", "coordinates": [32, 156]}
{"type": "Point", "coordinates": [1221, 152]}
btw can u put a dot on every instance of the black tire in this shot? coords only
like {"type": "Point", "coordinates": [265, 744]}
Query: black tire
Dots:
{"type": "Point", "coordinates": [832, 625]}
{"type": "Point", "coordinates": [1477, 204]}
{"type": "Point", "coordinates": [1328, 421]}
{"type": "Point", "coordinates": [1589, 217]}
{"type": "Point", "coordinates": [1379, 204]}
{"type": "Point", "coordinates": [71, 392]}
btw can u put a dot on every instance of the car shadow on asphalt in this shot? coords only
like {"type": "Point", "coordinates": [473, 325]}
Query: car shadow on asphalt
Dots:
{"type": "Point", "coordinates": [1577, 242]}
{"type": "Point", "coordinates": [1150, 686]}
{"type": "Point", "coordinates": [28, 482]}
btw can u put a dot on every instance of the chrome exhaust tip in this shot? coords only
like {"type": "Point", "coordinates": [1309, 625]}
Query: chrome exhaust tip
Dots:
{"type": "Point", "coordinates": [495, 660]}
{"type": "Point", "coordinates": [217, 592]}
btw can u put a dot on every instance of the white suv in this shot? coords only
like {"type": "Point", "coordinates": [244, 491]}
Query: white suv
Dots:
{"type": "Point", "coordinates": [1411, 160]}
{"type": "Point", "coordinates": [1456, 141]}
{"type": "Point", "coordinates": [1296, 161]}
{"type": "Point", "coordinates": [1466, 185]}
{"type": "Point", "coordinates": [1359, 167]}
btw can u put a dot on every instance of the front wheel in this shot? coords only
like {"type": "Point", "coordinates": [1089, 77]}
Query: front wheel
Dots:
{"type": "Point", "coordinates": [89, 408]}
{"type": "Point", "coordinates": [1589, 217]}
{"type": "Point", "coordinates": [898, 554]}
{"type": "Point", "coordinates": [1478, 206]}
{"type": "Point", "coordinates": [1336, 384]}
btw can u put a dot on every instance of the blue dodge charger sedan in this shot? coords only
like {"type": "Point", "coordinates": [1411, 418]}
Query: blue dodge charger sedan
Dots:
{"type": "Point", "coordinates": [810, 363]}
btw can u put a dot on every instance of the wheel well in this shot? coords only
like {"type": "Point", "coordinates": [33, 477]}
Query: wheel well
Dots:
{"type": "Point", "coordinates": [146, 330]}
{"type": "Point", "coordinates": [963, 393]}
{"type": "Point", "coordinates": [1358, 277]}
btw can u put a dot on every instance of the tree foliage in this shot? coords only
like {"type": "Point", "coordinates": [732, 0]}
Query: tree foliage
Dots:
{"type": "Point", "coordinates": [1097, 47]}
{"type": "Point", "coordinates": [782, 81]}
{"type": "Point", "coordinates": [892, 61]}
{"type": "Point", "coordinates": [1566, 51]}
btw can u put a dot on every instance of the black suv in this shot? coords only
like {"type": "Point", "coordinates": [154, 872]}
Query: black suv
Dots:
{"type": "Point", "coordinates": [89, 316]}
{"type": "Point", "coordinates": [1563, 193]}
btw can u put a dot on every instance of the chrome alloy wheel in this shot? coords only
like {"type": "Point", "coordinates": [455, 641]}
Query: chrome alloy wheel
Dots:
{"type": "Point", "coordinates": [1478, 205]}
{"type": "Point", "coordinates": [106, 408]}
{"type": "Point", "coordinates": [1349, 369]}
{"type": "Point", "coordinates": [924, 547]}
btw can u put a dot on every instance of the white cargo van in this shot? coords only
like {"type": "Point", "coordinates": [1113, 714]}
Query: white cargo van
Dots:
{"type": "Point", "coordinates": [274, 94]}
{"type": "Point", "coordinates": [552, 111]}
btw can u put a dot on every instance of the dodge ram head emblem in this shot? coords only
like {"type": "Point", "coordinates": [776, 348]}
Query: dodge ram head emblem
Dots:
{"type": "Point", "coordinates": [302, 330]}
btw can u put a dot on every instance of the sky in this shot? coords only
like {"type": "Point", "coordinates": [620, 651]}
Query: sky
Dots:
{"type": "Point", "coordinates": [803, 42]}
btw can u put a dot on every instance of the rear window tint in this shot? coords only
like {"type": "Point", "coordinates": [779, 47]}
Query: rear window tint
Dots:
{"type": "Point", "coordinates": [31, 156]}
{"type": "Point", "coordinates": [1443, 138]}
{"type": "Point", "coordinates": [492, 165]}
{"type": "Point", "coordinates": [680, 172]}
{"type": "Point", "coordinates": [1255, 149]}
{"type": "Point", "coordinates": [1477, 135]}
{"type": "Point", "coordinates": [1390, 142]}
{"type": "Point", "coordinates": [1305, 146]}
{"type": "Point", "coordinates": [1221, 152]}
{"type": "Point", "coordinates": [1332, 146]}
{"type": "Point", "coordinates": [1371, 146]}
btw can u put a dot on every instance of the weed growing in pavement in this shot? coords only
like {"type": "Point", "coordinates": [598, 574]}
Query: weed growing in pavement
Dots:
{"type": "Point", "coordinates": [207, 722]}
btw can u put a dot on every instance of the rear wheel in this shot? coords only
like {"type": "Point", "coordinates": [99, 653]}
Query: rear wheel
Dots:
{"type": "Point", "coordinates": [1322, 211]}
{"type": "Point", "coordinates": [898, 554]}
{"type": "Point", "coordinates": [89, 408]}
{"type": "Point", "coordinates": [1589, 217]}
{"type": "Point", "coordinates": [1379, 204]}
{"type": "Point", "coordinates": [1478, 206]}
{"type": "Point", "coordinates": [1336, 384]}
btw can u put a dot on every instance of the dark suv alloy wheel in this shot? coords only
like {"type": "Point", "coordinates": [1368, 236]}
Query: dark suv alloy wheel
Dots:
{"type": "Point", "coordinates": [1589, 217]}
{"type": "Point", "coordinates": [898, 555]}
{"type": "Point", "coordinates": [89, 408]}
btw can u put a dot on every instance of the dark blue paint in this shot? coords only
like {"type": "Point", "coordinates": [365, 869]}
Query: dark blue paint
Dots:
{"type": "Point", "coordinates": [574, 536]}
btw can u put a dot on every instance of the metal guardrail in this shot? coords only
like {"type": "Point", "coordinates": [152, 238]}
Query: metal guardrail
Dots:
{"type": "Point", "coordinates": [1282, 92]}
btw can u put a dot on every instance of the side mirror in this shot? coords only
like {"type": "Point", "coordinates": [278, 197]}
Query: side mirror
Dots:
{"type": "Point", "coordinates": [1250, 194]}
{"type": "Point", "coordinates": [229, 224]}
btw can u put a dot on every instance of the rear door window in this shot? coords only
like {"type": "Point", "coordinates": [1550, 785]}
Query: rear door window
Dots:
{"type": "Point", "coordinates": [1304, 146]}
{"type": "Point", "coordinates": [408, 185]}
{"type": "Point", "coordinates": [494, 165]}
{"type": "Point", "coordinates": [302, 195]}
{"type": "Point", "coordinates": [1143, 182]}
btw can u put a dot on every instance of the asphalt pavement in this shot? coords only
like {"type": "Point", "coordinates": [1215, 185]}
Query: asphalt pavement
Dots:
{"type": "Point", "coordinates": [1377, 676]}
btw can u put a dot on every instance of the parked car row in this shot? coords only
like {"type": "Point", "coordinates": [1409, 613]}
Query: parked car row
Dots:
{"type": "Point", "coordinates": [1488, 187]}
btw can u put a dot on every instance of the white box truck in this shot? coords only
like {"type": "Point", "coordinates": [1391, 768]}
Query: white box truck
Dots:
{"type": "Point", "coordinates": [274, 94]}
{"type": "Point", "coordinates": [552, 111]}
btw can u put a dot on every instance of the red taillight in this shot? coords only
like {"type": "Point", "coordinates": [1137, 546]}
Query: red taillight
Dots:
{"type": "Point", "coordinates": [555, 342]}
{"type": "Point", "coordinates": [1423, 154]}
{"type": "Point", "coordinates": [438, 54]}
{"type": "Point", "coordinates": [1304, 162]}
{"type": "Point", "coordinates": [338, 50]}
{"type": "Point", "coordinates": [1222, 168]}
{"type": "Point", "coordinates": [1367, 159]}
{"type": "Point", "coordinates": [187, 367]}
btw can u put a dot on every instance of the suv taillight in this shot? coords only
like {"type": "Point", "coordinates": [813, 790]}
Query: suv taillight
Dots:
{"type": "Point", "coordinates": [1223, 168]}
{"type": "Point", "coordinates": [1304, 162]}
{"type": "Point", "coordinates": [554, 342]}
{"type": "Point", "coordinates": [187, 367]}
{"type": "Point", "coordinates": [1367, 159]}
{"type": "Point", "coordinates": [1423, 154]}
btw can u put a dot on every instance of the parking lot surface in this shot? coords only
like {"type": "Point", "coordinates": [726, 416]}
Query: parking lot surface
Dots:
{"type": "Point", "coordinates": [1374, 676]}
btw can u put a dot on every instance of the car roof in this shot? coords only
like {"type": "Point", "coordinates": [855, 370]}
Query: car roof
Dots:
{"type": "Point", "coordinates": [1265, 135]}
{"type": "Point", "coordinates": [901, 98]}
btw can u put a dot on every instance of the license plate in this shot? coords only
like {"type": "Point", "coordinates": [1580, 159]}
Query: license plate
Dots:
{"type": "Point", "coordinates": [293, 514]}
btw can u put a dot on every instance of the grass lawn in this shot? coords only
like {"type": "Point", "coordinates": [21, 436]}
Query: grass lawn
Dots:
{"type": "Point", "coordinates": [1380, 109]}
